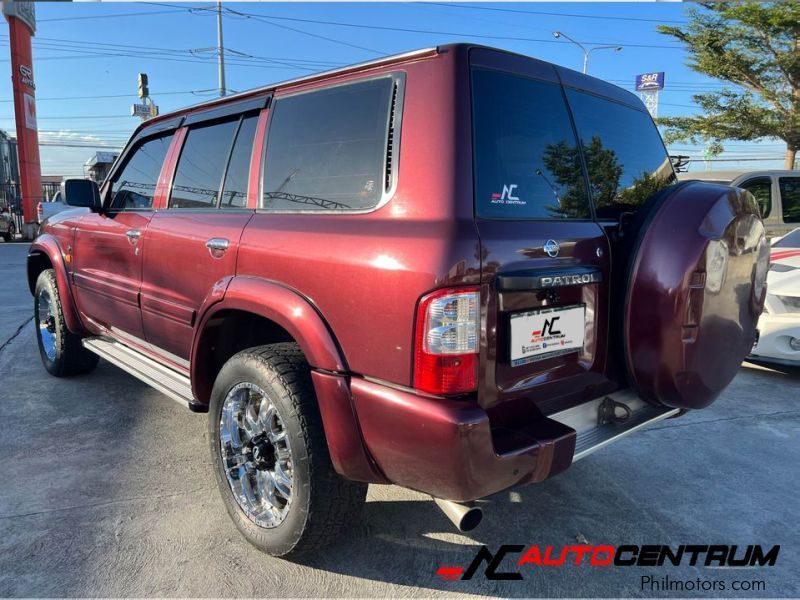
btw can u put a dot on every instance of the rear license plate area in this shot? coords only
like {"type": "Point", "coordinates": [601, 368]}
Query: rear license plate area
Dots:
{"type": "Point", "coordinates": [545, 333]}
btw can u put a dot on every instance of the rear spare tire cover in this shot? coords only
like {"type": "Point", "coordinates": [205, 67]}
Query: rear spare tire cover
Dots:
{"type": "Point", "coordinates": [695, 290]}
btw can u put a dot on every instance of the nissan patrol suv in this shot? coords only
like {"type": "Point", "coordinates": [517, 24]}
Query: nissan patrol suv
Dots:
{"type": "Point", "coordinates": [457, 270]}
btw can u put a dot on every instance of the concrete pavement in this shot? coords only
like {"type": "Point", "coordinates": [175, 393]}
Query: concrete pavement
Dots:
{"type": "Point", "coordinates": [107, 490]}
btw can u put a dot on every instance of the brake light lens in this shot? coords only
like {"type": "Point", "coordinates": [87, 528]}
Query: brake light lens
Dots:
{"type": "Point", "coordinates": [446, 341]}
{"type": "Point", "coordinates": [39, 212]}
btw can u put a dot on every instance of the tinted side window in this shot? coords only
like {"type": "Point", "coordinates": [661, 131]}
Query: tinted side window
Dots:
{"type": "Point", "coordinates": [790, 198]}
{"type": "Point", "coordinates": [326, 149]}
{"type": "Point", "coordinates": [527, 163]}
{"type": "Point", "coordinates": [135, 185]}
{"type": "Point", "coordinates": [201, 165]}
{"type": "Point", "coordinates": [761, 188]}
{"type": "Point", "coordinates": [234, 192]}
{"type": "Point", "coordinates": [625, 156]}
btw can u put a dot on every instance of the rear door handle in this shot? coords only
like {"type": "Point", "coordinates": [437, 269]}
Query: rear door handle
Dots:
{"type": "Point", "coordinates": [217, 246]}
{"type": "Point", "coordinates": [133, 235]}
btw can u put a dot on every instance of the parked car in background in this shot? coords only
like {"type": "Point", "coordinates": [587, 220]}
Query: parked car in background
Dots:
{"type": "Point", "coordinates": [48, 208]}
{"type": "Point", "coordinates": [401, 272]}
{"type": "Point", "coordinates": [7, 227]}
{"type": "Point", "coordinates": [777, 193]}
{"type": "Point", "coordinates": [779, 324]}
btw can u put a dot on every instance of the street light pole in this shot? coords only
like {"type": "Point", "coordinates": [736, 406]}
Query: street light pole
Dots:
{"type": "Point", "coordinates": [586, 52]}
{"type": "Point", "coordinates": [220, 51]}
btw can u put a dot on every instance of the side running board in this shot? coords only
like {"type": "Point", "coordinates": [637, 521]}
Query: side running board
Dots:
{"type": "Point", "coordinates": [596, 430]}
{"type": "Point", "coordinates": [165, 380]}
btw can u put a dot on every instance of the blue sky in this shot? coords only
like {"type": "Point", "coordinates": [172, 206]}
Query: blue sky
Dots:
{"type": "Point", "coordinates": [87, 56]}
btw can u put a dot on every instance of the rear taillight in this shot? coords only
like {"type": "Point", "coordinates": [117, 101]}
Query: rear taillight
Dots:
{"type": "Point", "coordinates": [446, 341]}
{"type": "Point", "coordinates": [39, 212]}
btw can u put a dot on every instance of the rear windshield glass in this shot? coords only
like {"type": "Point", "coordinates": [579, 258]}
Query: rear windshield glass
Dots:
{"type": "Point", "coordinates": [527, 164]}
{"type": "Point", "coordinates": [625, 156]}
{"type": "Point", "coordinates": [326, 149]}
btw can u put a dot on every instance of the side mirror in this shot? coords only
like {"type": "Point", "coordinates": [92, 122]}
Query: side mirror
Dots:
{"type": "Point", "coordinates": [80, 192]}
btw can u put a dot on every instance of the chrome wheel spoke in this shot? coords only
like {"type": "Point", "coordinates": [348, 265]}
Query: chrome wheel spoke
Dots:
{"type": "Point", "coordinates": [283, 481]}
{"type": "Point", "coordinates": [282, 452]}
{"type": "Point", "coordinates": [250, 421]}
{"type": "Point", "coordinates": [268, 486]}
{"type": "Point", "coordinates": [276, 436]}
{"type": "Point", "coordinates": [266, 414]}
{"type": "Point", "coordinates": [236, 463]}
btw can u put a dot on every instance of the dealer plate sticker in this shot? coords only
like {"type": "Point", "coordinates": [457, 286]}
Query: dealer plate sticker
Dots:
{"type": "Point", "coordinates": [541, 334]}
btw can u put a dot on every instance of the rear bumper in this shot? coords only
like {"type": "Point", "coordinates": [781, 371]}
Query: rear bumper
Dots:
{"type": "Point", "coordinates": [448, 449]}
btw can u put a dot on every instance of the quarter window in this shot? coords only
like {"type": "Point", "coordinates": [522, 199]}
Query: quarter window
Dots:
{"type": "Point", "coordinates": [201, 165]}
{"type": "Point", "coordinates": [790, 198]}
{"type": "Point", "coordinates": [625, 156]}
{"type": "Point", "coordinates": [761, 188]}
{"type": "Point", "coordinates": [134, 187]}
{"type": "Point", "coordinates": [326, 149]}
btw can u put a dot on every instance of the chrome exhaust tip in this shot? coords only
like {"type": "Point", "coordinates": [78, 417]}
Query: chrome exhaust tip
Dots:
{"type": "Point", "coordinates": [465, 516]}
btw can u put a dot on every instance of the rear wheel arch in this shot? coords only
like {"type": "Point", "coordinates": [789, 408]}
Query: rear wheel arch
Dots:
{"type": "Point", "coordinates": [255, 312]}
{"type": "Point", "coordinates": [225, 333]}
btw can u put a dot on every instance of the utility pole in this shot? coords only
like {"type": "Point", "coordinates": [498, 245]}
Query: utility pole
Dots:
{"type": "Point", "coordinates": [220, 51]}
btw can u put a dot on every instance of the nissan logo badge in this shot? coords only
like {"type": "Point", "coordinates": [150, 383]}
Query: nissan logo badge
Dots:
{"type": "Point", "coordinates": [552, 248]}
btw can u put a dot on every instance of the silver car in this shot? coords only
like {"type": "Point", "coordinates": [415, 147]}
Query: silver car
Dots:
{"type": "Point", "coordinates": [777, 193]}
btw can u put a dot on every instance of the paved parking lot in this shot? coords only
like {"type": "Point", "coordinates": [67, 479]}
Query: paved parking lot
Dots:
{"type": "Point", "coordinates": [107, 491]}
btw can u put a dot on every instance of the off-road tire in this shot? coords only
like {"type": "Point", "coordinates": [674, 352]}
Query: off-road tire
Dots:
{"type": "Point", "coordinates": [323, 502]}
{"type": "Point", "coordinates": [71, 358]}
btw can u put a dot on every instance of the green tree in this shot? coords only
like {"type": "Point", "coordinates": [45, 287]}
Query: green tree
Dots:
{"type": "Point", "coordinates": [755, 46]}
{"type": "Point", "coordinates": [564, 163]}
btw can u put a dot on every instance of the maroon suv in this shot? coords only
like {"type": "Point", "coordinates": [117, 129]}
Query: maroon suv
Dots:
{"type": "Point", "coordinates": [457, 270]}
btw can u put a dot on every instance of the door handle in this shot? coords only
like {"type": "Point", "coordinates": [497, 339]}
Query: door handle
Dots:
{"type": "Point", "coordinates": [217, 246]}
{"type": "Point", "coordinates": [133, 235]}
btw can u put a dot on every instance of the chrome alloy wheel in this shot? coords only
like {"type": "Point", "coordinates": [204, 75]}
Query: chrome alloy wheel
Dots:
{"type": "Point", "coordinates": [256, 455]}
{"type": "Point", "coordinates": [46, 318]}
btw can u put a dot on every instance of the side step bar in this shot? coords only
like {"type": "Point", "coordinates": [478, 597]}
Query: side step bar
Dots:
{"type": "Point", "coordinates": [594, 435]}
{"type": "Point", "coordinates": [165, 380]}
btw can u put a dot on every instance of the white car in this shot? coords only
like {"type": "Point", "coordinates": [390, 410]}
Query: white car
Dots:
{"type": "Point", "coordinates": [779, 325]}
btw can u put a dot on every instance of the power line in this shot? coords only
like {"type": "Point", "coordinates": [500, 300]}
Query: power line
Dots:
{"type": "Point", "coordinates": [308, 33]}
{"type": "Point", "coordinates": [128, 95]}
{"type": "Point", "coordinates": [174, 55]}
{"type": "Point", "coordinates": [555, 14]}
{"type": "Point", "coordinates": [263, 18]}
{"type": "Point", "coordinates": [113, 16]}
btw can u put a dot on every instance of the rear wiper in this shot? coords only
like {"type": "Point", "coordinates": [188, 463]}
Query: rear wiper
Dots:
{"type": "Point", "coordinates": [321, 202]}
